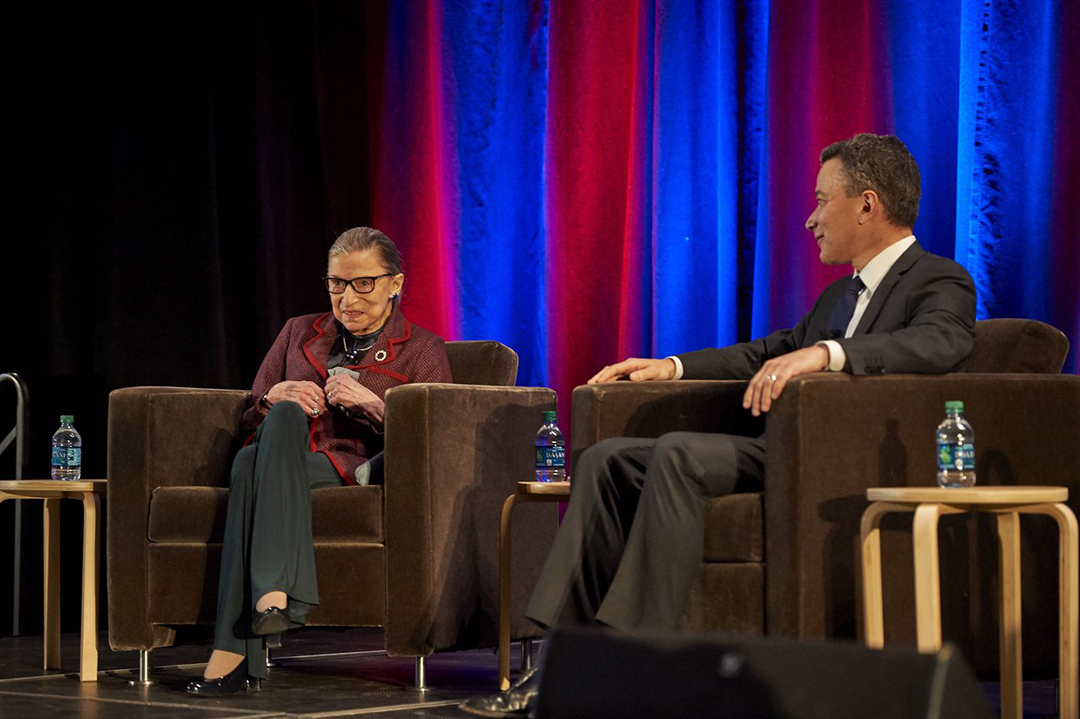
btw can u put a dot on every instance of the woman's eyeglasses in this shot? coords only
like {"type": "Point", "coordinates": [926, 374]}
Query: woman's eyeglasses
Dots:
{"type": "Point", "coordinates": [362, 285]}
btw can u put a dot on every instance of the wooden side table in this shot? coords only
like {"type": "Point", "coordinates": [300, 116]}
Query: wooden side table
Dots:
{"type": "Point", "coordinates": [51, 491]}
{"type": "Point", "coordinates": [526, 492]}
{"type": "Point", "coordinates": [1007, 503]}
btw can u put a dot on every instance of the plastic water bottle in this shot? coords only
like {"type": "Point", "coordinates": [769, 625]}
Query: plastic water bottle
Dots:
{"type": "Point", "coordinates": [550, 451]}
{"type": "Point", "coordinates": [66, 451]}
{"type": "Point", "coordinates": [955, 448]}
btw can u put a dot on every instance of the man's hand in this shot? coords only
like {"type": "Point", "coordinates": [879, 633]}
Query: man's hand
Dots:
{"type": "Point", "coordinates": [638, 370]}
{"type": "Point", "coordinates": [773, 376]}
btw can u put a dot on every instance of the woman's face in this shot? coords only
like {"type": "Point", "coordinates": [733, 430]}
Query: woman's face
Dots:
{"type": "Point", "coordinates": [362, 313]}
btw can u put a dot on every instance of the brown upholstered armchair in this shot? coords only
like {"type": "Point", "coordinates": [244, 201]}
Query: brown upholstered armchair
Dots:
{"type": "Point", "coordinates": [417, 555]}
{"type": "Point", "coordinates": [785, 562]}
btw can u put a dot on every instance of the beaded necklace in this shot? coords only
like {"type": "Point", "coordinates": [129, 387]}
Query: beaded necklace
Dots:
{"type": "Point", "coordinates": [362, 345]}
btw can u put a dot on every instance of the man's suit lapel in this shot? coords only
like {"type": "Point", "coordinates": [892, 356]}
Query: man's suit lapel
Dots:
{"type": "Point", "coordinates": [881, 294]}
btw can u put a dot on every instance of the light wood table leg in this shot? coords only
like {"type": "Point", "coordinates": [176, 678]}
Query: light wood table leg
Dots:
{"type": "Point", "coordinates": [504, 591]}
{"type": "Point", "coordinates": [51, 574]}
{"type": "Point", "coordinates": [88, 654]}
{"type": "Point", "coordinates": [1012, 696]}
{"type": "Point", "coordinates": [927, 578]}
{"type": "Point", "coordinates": [1068, 608]}
{"type": "Point", "coordinates": [873, 611]}
{"type": "Point", "coordinates": [927, 574]}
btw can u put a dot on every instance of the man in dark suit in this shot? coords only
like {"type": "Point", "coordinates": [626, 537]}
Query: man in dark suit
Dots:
{"type": "Point", "coordinates": [629, 548]}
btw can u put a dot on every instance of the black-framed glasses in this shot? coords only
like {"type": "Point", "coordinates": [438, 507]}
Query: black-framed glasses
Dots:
{"type": "Point", "coordinates": [362, 285]}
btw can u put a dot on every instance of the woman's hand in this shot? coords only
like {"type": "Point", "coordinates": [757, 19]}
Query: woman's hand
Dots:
{"type": "Point", "coordinates": [306, 394]}
{"type": "Point", "coordinates": [343, 391]}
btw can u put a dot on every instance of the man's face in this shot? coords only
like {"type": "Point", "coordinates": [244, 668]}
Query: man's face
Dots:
{"type": "Point", "coordinates": [835, 222]}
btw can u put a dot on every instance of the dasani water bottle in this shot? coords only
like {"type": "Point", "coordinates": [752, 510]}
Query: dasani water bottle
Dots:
{"type": "Point", "coordinates": [955, 449]}
{"type": "Point", "coordinates": [550, 451]}
{"type": "Point", "coordinates": [66, 450]}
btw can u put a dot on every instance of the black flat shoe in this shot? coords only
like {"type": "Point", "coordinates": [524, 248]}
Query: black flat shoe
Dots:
{"type": "Point", "coordinates": [272, 621]}
{"type": "Point", "coordinates": [235, 681]}
{"type": "Point", "coordinates": [518, 701]}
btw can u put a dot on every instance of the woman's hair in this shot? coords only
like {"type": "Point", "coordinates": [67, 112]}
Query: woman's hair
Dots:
{"type": "Point", "coordinates": [361, 239]}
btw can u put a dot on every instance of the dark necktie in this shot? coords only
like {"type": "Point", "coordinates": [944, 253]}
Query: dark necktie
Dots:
{"type": "Point", "coordinates": [845, 308]}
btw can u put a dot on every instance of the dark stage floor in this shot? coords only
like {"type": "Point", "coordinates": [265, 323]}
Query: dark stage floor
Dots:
{"type": "Point", "coordinates": [318, 673]}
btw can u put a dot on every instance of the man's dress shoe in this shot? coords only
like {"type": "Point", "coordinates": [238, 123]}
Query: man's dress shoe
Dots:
{"type": "Point", "coordinates": [233, 682]}
{"type": "Point", "coordinates": [517, 701]}
{"type": "Point", "coordinates": [272, 621]}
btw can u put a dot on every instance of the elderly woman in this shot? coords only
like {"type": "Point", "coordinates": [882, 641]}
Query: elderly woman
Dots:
{"type": "Point", "coordinates": [317, 416]}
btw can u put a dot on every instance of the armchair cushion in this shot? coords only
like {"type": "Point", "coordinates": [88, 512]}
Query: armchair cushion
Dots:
{"type": "Point", "coordinates": [197, 514]}
{"type": "Point", "coordinates": [733, 529]}
{"type": "Point", "coordinates": [482, 362]}
{"type": "Point", "coordinates": [1016, 345]}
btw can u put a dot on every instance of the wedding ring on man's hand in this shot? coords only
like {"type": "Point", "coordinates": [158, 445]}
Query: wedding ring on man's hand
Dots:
{"type": "Point", "coordinates": [770, 377]}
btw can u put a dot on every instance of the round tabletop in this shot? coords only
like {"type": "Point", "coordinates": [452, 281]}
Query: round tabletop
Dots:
{"type": "Point", "coordinates": [14, 486]}
{"type": "Point", "coordinates": [969, 495]}
{"type": "Point", "coordinates": [559, 489]}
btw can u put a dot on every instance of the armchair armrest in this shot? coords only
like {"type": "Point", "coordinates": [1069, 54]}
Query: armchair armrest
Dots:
{"type": "Point", "coordinates": [157, 436]}
{"type": "Point", "coordinates": [454, 453]}
{"type": "Point", "coordinates": [649, 409]}
{"type": "Point", "coordinates": [831, 436]}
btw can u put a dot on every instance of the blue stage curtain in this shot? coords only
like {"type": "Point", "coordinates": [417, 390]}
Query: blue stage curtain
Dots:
{"type": "Point", "coordinates": [633, 179]}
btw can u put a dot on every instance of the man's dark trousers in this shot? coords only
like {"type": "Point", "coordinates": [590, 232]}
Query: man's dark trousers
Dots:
{"type": "Point", "coordinates": [630, 545]}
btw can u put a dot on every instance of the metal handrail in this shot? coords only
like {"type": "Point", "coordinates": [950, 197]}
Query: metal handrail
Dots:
{"type": "Point", "coordinates": [18, 436]}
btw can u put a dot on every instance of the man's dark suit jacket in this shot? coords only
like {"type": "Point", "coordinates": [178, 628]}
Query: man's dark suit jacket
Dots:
{"type": "Point", "coordinates": [921, 319]}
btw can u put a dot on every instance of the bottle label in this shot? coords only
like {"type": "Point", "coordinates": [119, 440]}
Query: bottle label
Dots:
{"type": "Point", "coordinates": [550, 457]}
{"type": "Point", "coordinates": [67, 457]}
{"type": "Point", "coordinates": [956, 457]}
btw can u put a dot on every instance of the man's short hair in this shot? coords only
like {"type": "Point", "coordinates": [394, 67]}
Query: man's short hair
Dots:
{"type": "Point", "coordinates": [883, 164]}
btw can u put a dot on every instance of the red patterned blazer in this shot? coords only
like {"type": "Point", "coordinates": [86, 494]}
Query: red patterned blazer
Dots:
{"type": "Point", "coordinates": [403, 353]}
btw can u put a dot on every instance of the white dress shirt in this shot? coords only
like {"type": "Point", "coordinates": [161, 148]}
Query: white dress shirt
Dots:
{"type": "Point", "coordinates": [871, 275]}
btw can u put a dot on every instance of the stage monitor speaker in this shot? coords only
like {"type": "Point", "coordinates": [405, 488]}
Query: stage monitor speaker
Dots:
{"type": "Point", "coordinates": [606, 674]}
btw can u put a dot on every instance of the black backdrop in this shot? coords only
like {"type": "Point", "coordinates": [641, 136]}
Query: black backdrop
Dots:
{"type": "Point", "coordinates": [179, 171]}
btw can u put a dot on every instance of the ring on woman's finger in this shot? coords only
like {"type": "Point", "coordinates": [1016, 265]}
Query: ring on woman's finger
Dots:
{"type": "Point", "coordinates": [330, 394]}
{"type": "Point", "coordinates": [771, 377]}
{"type": "Point", "coordinates": [314, 411]}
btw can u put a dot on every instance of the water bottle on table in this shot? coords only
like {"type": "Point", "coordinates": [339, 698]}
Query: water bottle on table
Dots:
{"type": "Point", "coordinates": [955, 448]}
{"type": "Point", "coordinates": [66, 451]}
{"type": "Point", "coordinates": [550, 451]}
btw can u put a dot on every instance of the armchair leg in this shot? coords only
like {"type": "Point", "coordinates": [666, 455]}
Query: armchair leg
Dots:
{"type": "Point", "coordinates": [526, 655]}
{"type": "Point", "coordinates": [144, 670]}
{"type": "Point", "coordinates": [421, 674]}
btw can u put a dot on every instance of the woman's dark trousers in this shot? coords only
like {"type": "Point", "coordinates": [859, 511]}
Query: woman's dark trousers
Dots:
{"type": "Point", "coordinates": [267, 545]}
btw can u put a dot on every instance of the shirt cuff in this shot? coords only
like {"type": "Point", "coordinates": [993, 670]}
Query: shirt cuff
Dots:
{"type": "Point", "coordinates": [678, 366]}
{"type": "Point", "coordinates": [837, 356]}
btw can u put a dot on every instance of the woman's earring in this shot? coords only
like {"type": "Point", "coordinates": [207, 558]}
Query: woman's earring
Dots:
{"type": "Point", "coordinates": [394, 296]}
